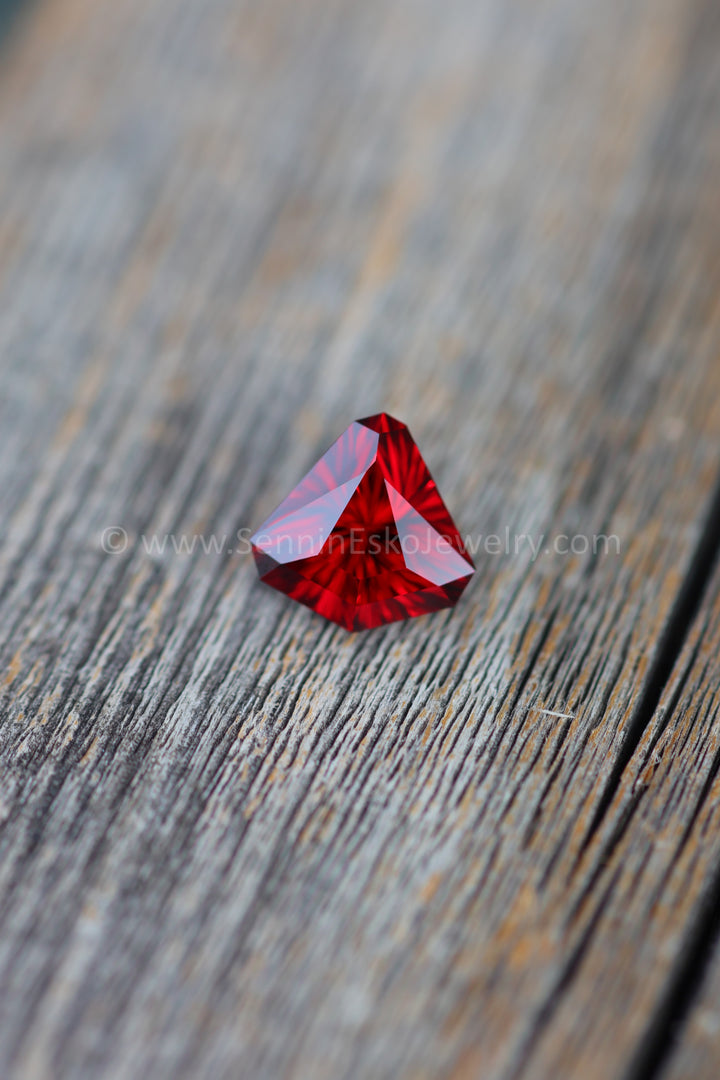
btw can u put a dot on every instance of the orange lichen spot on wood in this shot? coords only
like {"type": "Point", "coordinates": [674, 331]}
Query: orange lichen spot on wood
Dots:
{"type": "Point", "coordinates": [13, 668]}
{"type": "Point", "coordinates": [430, 887]}
{"type": "Point", "coordinates": [533, 949]}
{"type": "Point", "coordinates": [251, 807]}
{"type": "Point", "coordinates": [46, 706]}
{"type": "Point", "coordinates": [89, 753]}
{"type": "Point", "coordinates": [89, 912]}
{"type": "Point", "coordinates": [427, 731]}
{"type": "Point", "coordinates": [318, 825]}
{"type": "Point", "coordinates": [468, 801]}
{"type": "Point", "coordinates": [523, 936]}
{"type": "Point", "coordinates": [34, 675]}
{"type": "Point", "coordinates": [471, 1064]}
{"type": "Point", "coordinates": [151, 624]}
{"type": "Point", "coordinates": [75, 419]}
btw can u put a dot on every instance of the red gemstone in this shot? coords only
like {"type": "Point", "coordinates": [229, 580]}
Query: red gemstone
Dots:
{"type": "Point", "coordinates": [365, 538]}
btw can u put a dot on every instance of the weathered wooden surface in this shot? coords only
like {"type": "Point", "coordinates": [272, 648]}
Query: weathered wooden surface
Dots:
{"type": "Point", "coordinates": [237, 841]}
{"type": "Point", "coordinates": [646, 917]}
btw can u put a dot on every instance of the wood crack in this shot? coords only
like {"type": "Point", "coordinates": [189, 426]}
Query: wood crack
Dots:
{"type": "Point", "coordinates": [672, 641]}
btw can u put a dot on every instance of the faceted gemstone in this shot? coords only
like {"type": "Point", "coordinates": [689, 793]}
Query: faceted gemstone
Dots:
{"type": "Point", "coordinates": [365, 538]}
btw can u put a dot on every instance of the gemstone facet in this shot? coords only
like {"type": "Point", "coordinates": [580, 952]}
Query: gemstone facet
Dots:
{"type": "Point", "coordinates": [365, 538]}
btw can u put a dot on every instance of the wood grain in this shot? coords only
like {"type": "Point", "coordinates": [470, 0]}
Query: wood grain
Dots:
{"type": "Point", "coordinates": [237, 841]}
{"type": "Point", "coordinates": [643, 906]}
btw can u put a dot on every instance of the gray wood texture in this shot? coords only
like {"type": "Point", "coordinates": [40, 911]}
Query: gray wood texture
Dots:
{"type": "Point", "coordinates": [236, 841]}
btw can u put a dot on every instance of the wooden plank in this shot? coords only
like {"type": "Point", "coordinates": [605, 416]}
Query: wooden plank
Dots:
{"type": "Point", "coordinates": [680, 811]}
{"type": "Point", "coordinates": [648, 899]}
{"type": "Point", "coordinates": [234, 838]}
{"type": "Point", "coordinates": [696, 1053]}
{"type": "Point", "coordinates": [643, 905]}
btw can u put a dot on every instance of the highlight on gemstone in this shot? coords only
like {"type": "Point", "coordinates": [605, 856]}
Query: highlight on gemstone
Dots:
{"type": "Point", "coordinates": [365, 538]}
